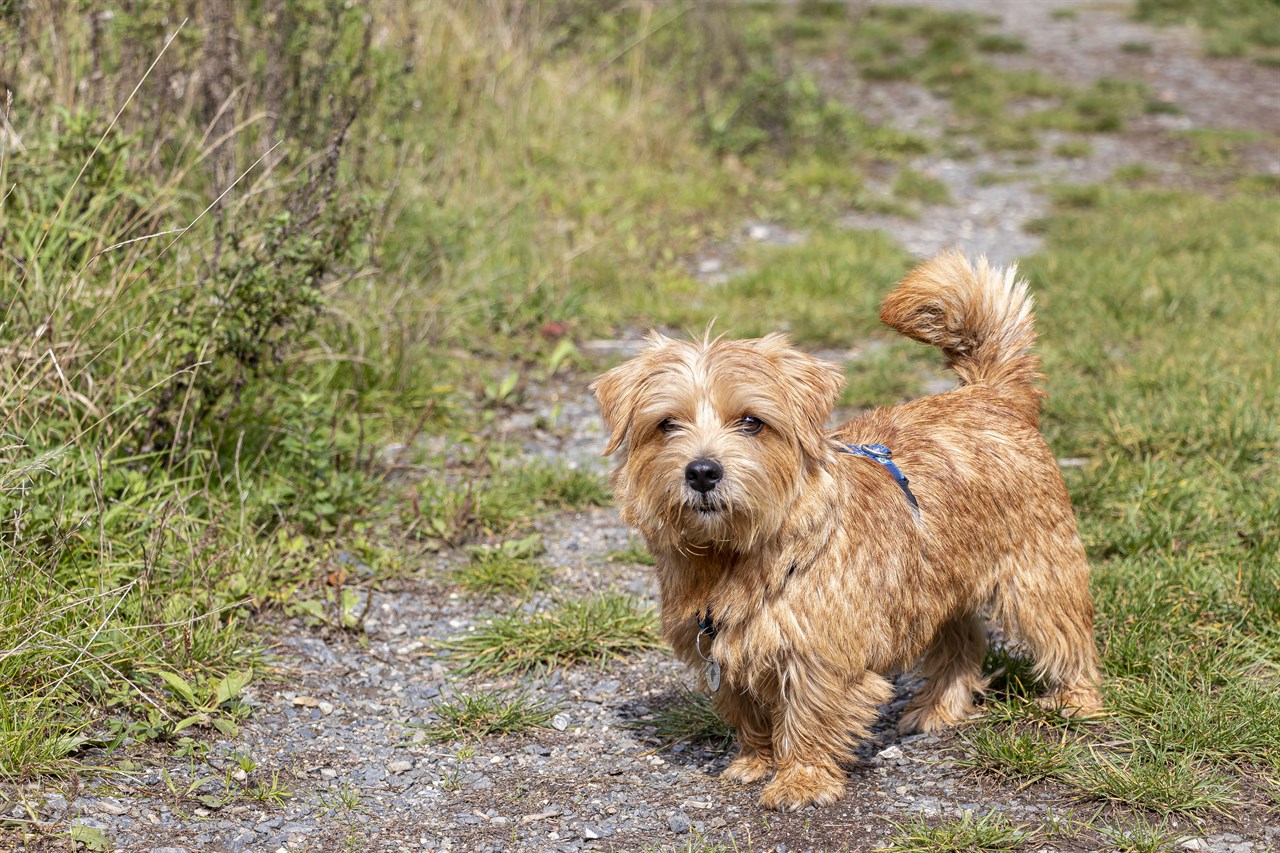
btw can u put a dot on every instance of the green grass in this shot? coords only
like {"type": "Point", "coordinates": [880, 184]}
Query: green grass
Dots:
{"type": "Point", "coordinates": [1140, 835]}
{"type": "Point", "coordinates": [969, 834]}
{"type": "Point", "coordinates": [593, 630]}
{"type": "Point", "coordinates": [819, 291]}
{"type": "Point", "coordinates": [1156, 312]}
{"type": "Point", "coordinates": [1004, 108]}
{"type": "Point", "coordinates": [889, 371]}
{"type": "Point", "coordinates": [1074, 149]}
{"type": "Point", "coordinates": [689, 718]}
{"type": "Point", "coordinates": [1229, 27]}
{"type": "Point", "coordinates": [1026, 755]}
{"type": "Point", "coordinates": [1163, 781]}
{"type": "Point", "coordinates": [458, 504]}
{"type": "Point", "coordinates": [917, 186]}
{"type": "Point", "coordinates": [636, 552]}
{"type": "Point", "coordinates": [511, 567]}
{"type": "Point", "coordinates": [477, 716]}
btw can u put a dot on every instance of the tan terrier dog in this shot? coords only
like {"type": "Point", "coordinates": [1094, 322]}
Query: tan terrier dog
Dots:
{"type": "Point", "coordinates": [797, 566]}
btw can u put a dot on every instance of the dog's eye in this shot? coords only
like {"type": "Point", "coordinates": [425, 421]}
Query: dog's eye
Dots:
{"type": "Point", "coordinates": [751, 426]}
{"type": "Point", "coordinates": [667, 426]}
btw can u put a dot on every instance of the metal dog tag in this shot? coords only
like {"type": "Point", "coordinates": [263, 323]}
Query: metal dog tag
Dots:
{"type": "Point", "coordinates": [712, 674]}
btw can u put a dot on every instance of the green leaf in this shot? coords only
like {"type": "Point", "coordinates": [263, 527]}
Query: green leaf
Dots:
{"type": "Point", "coordinates": [92, 839]}
{"type": "Point", "coordinates": [565, 349]}
{"type": "Point", "coordinates": [231, 685]}
{"type": "Point", "coordinates": [179, 686]}
{"type": "Point", "coordinates": [188, 722]}
{"type": "Point", "coordinates": [225, 726]}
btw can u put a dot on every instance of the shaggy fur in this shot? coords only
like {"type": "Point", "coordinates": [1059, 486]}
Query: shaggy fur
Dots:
{"type": "Point", "coordinates": [819, 577]}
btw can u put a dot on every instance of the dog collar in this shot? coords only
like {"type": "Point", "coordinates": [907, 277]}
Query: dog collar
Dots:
{"type": "Point", "coordinates": [705, 624]}
{"type": "Point", "coordinates": [711, 666]}
{"type": "Point", "coordinates": [883, 455]}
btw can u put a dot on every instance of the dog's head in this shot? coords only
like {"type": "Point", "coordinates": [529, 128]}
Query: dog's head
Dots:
{"type": "Point", "coordinates": [715, 438]}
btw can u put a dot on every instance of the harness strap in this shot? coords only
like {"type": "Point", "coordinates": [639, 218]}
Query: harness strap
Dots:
{"type": "Point", "coordinates": [883, 455]}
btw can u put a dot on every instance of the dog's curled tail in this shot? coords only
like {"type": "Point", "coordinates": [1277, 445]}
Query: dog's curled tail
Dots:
{"type": "Point", "coordinates": [980, 317]}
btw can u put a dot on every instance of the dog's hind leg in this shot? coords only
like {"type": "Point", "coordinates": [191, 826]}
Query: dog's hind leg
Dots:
{"type": "Point", "coordinates": [1050, 612]}
{"type": "Point", "coordinates": [953, 666]}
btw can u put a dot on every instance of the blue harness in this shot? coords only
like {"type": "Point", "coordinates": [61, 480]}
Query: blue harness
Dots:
{"type": "Point", "coordinates": [883, 455]}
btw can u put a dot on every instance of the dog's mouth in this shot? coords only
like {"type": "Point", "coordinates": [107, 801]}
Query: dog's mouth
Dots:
{"type": "Point", "coordinates": [706, 505]}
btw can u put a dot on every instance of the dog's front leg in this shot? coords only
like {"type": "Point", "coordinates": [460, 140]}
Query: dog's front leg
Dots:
{"type": "Point", "coordinates": [754, 725]}
{"type": "Point", "coordinates": [821, 713]}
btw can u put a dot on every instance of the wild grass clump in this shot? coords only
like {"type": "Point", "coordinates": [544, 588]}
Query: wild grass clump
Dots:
{"type": "Point", "coordinates": [461, 507]}
{"type": "Point", "coordinates": [992, 831]}
{"type": "Point", "coordinates": [1006, 108]}
{"type": "Point", "coordinates": [509, 567]}
{"type": "Point", "coordinates": [476, 716]}
{"type": "Point", "coordinates": [592, 630]}
{"type": "Point", "coordinates": [1230, 27]}
{"type": "Point", "coordinates": [688, 718]}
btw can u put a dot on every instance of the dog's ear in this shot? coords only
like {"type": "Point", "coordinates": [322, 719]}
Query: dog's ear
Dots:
{"type": "Point", "coordinates": [618, 392]}
{"type": "Point", "coordinates": [812, 387]}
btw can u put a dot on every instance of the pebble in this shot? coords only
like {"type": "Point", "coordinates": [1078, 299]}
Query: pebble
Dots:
{"type": "Point", "coordinates": [679, 823]}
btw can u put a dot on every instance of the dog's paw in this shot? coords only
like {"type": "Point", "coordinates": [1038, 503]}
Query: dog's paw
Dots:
{"type": "Point", "coordinates": [749, 766]}
{"type": "Point", "coordinates": [1073, 702]}
{"type": "Point", "coordinates": [802, 785]}
{"type": "Point", "coordinates": [935, 718]}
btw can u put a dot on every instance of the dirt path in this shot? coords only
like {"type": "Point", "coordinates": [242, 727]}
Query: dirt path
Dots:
{"type": "Point", "coordinates": [337, 723]}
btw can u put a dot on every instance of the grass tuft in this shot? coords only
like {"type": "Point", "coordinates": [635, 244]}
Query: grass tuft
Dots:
{"type": "Point", "coordinates": [992, 831]}
{"type": "Point", "coordinates": [593, 630]}
{"type": "Point", "coordinates": [476, 716]}
{"type": "Point", "coordinates": [1140, 835]}
{"type": "Point", "coordinates": [689, 718]}
{"type": "Point", "coordinates": [1155, 779]}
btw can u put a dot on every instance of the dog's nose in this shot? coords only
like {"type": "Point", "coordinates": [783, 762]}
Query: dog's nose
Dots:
{"type": "Point", "coordinates": [703, 474]}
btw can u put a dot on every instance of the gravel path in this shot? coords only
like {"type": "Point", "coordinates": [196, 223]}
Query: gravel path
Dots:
{"type": "Point", "coordinates": [333, 730]}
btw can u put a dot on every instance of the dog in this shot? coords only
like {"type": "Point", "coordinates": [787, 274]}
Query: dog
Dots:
{"type": "Point", "coordinates": [799, 567]}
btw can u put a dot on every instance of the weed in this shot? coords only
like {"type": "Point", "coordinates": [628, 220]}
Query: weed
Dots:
{"type": "Point", "coordinates": [689, 718]}
{"type": "Point", "coordinates": [1074, 149]}
{"type": "Point", "coordinates": [1027, 756]}
{"type": "Point", "coordinates": [1140, 835]}
{"type": "Point", "coordinates": [1153, 778]}
{"type": "Point", "coordinates": [917, 186]}
{"type": "Point", "coordinates": [636, 552]}
{"type": "Point", "coordinates": [510, 567]}
{"type": "Point", "coordinates": [595, 629]}
{"type": "Point", "coordinates": [479, 715]}
{"type": "Point", "coordinates": [989, 832]}
{"type": "Point", "coordinates": [464, 511]}
{"type": "Point", "coordinates": [272, 793]}
{"type": "Point", "coordinates": [1231, 27]}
